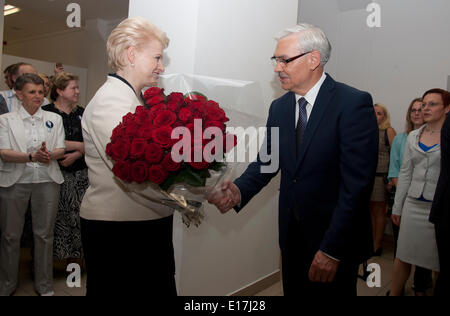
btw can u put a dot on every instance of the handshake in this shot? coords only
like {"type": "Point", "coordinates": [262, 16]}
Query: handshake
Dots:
{"type": "Point", "coordinates": [225, 197]}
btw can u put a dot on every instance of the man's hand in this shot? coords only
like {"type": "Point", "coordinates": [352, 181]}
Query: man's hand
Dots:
{"type": "Point", "coordinates": [225, 197]}
{"type": "Point", "coordinates": [57, 68]}
{"type": "Point", "coordinates": [323, 269]}
{"type": "Point", "coordinates": [69, 159]}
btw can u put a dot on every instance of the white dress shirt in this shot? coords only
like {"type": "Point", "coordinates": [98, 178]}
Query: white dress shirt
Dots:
{"type": "Point", "coordinates": [311, 97]}
{"type": "Point", "coordinates": [35, 129]}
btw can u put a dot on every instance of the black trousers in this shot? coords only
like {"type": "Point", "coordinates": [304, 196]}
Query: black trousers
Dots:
{"type": "Point", "coordinates": [297, 258]}
{"type": "Point", "coordinates": [442, 284]}
{"type": "Point", "coordinates": [129, 258]}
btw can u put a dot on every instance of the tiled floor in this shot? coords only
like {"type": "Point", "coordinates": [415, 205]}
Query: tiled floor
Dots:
{"type": "Point", "coordinates": [386, 264]}
{"type": "Point", "coordinates": [26, 285]}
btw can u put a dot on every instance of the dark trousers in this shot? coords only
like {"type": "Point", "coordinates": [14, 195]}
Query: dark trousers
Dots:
{"type": "Point", "coordinates": [297, 258]}
{"type": "Point", "coordinates": [442, 284]}
{"type": "Point", "coordinates": [129, 258]}
{"type": "Point", "coordinates": [422, 277]}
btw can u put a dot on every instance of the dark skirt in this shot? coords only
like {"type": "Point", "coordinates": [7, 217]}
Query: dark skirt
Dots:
{"type": "Point", "coordinates": [67, 238]}
{"type": "Point", "coordinates": [129, 258]}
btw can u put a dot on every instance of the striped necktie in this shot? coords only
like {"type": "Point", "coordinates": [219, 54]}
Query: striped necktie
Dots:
{"type": "Point", "coordinates": [301, 123]}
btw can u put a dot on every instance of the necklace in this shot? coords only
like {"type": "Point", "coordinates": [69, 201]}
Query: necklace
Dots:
{"type": "Point", "coordinates": [429, 130]}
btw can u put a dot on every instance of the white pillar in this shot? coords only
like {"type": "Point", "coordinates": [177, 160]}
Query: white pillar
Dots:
{"type": "Point", "coordinates": [228, 39]}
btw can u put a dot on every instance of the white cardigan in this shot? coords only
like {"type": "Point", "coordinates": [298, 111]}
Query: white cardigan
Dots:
{"type": "Point", "coordinates": [108, 198]}
{"type": "Point", "coordinates": [12, 132]}
{"type": "Point", "coordinates": [419, 172]}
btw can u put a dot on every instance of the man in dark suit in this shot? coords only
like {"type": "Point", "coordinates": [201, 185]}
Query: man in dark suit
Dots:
{"type": "Point", "coordinates": [440, 211]}
{"type": "Point", "coordinates": [328, 142]}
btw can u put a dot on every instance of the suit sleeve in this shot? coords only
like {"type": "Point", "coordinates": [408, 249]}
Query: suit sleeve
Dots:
{"type": "Point", "coordinates": [443, 184]}
{"type": "Point", "coordinates": [253, 180]}
{"type": "Point", "coordinates": [358, 133]}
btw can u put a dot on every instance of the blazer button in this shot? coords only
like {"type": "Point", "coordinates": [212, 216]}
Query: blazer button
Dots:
{"type": "Point", "coordinates": [295, 181]}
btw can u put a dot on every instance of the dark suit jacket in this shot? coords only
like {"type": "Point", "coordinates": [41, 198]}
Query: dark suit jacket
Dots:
{"type": "Point", "coordinates": [3, 106]}
{"type": "Point", "coordinates": [440, 212]}
{"type": "Point", "coordinates": [329, 184]}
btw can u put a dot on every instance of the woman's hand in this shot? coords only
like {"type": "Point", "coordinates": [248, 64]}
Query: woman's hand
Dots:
{"type": "Point", "coordinates": [396, 219]}
{"type": "Point", "coordinates": [69, 159]}
{"type": "Point", "coordinates": [42, 156]}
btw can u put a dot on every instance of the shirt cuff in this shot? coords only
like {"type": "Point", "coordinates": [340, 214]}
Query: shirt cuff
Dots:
{"type": "Point", "coordinates": [331, 257]}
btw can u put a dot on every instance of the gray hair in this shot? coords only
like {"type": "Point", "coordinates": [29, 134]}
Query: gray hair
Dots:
{"type": "Point", "coordinates": [309, 38]}
{"type": "Point", "coordinates": [27, 78]}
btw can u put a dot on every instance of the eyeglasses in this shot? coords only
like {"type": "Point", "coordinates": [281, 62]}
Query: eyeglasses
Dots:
{"type": "Point", "coordinates": [283, 61]}
{"type": "Point", "coordinates": [416, 111]}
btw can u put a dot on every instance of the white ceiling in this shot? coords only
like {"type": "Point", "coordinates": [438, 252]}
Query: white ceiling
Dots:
{"type": "Point", "coordinates": [39, 17]}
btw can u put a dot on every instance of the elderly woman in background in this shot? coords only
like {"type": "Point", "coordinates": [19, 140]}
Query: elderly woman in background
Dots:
{"type": "Point", "coordinates": [416, 187]}
{"type": "Point", "coordinates": [127, 234]}
{"type": "Point", "coordinates": [378, 199]}
{"type": "Point", "coordinates": [31, 140]}
{"type": "Point", "coordinates": [65, 92]}
{"type": "Point", "coordinates": [414, 120]}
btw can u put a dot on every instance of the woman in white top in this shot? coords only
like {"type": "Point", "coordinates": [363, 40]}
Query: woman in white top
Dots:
{"type": "Point", "coordinates": [126, 233]}
{"type": "Point", "coordinates": [416, 188]}
{"type": "Point", "coordinates": [31, 140]}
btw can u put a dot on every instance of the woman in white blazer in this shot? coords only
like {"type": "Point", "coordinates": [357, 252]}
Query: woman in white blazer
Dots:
{"type": "Point", "coordinates": [415, 192]}
{"type": "Point", "coordinates": [126, 233]}
{"type": "Point", "coordinates": [31, 140]}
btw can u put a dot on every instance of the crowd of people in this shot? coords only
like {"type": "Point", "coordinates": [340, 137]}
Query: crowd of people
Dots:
{"type": "Point", "coordinates": [48, 146]}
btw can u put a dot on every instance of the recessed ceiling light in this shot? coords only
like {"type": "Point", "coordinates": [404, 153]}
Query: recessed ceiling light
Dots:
{"type": "Point", "coordinates": [10, 9]}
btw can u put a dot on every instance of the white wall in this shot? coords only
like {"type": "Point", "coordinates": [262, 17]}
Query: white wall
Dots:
{"type": "Point", "coordinates": [397, 62]}
{"type": "Point", "coordinates": [230, 39]}
{"type": "Point", "coordinates": [47, 68]}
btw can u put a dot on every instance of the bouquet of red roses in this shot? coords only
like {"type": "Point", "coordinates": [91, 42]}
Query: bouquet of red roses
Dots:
{"type": "Point", "coordinates": [177, 142]}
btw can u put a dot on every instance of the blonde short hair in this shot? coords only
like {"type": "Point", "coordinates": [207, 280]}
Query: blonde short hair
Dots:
{"type": "Point", "coordinates": [61, 81]}
{"type": "Point", "coordinates": [135, 32]}
{"type": "Point", "coordinates": [387, 119]}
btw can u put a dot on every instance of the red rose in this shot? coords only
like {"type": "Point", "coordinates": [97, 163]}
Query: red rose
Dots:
{"type": "Point", "coordinates": [155, 100]}
{"type": "Point", "coordinates": [122, 170]}
{"type": "Point", "coordinates": [109, 149]}
{"type": "Point", "coordinates": [215, 124]}
{"type": "Point", "coordinates": [155, 110]}
{"type": "Point", "coordinates": [118, 132]}
{"type": "Point", "coordinates": [120, 150]}
{"type": "Point", "coordinates": [139, 172]}
{"type": "Point", "coordinates": [216, 114]}
{"type": "Point", "coordinates": [153, 153]}
{"type": "Point", "coordinates": [176, 96]}
{"type": "Point", "coordinates": [132, 129]}
{"type": "Point", "coordinates": [212, 103]}
{"type": "Point", "coordinates": [174, 106]}
{"type": "Point", "coordinates": [142, 116]}
{"type": "Point", "coordinates": [128, 118]}
{"type": "Point", "coordinates": [163, 136]}
{"type": "Point", "coordinates": [185, 115]}
{"type": "Point", "coordinates": [138, 146]}
{"type": "Point", "coordinates": [157, 174]}
{"type": "Point", "coordinates": [169, 164]}
{"type": "Point", "coordinates": [152, 92]}
{"type": "Point", "coordinates": [199, 165]}
{"type": "Point", "coordinates": [145, 132]}
{"type": "Point", "coordinates": [164, 118]}
{"type": "Point", "coordinates": [195, 97]}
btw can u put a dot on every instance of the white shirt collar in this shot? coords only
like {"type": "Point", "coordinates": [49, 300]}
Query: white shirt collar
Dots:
{"type": "Point", "coordinates": [23, 114]}
{"type": "Point", "coordinates": [311, 95]}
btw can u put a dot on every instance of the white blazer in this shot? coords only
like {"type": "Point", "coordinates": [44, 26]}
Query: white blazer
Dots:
{"type": "Point", "coordinates": [12, 132]}
{"type": "Point", "coordinates": [419, 173]}
{"type": "Point", "coordinates": [107, 198]}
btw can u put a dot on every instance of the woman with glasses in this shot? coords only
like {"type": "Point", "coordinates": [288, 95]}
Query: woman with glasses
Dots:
{"type": "Point", "coordinates": [414, 120]}
{"type": "Point", "coordinates": [416, 187]}
{"type": "Point", "coordinates": [378, 199]}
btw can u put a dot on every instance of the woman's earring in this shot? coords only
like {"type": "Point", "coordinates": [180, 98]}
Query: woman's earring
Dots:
{"type": "Point", "coordinates": [132, 65]}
